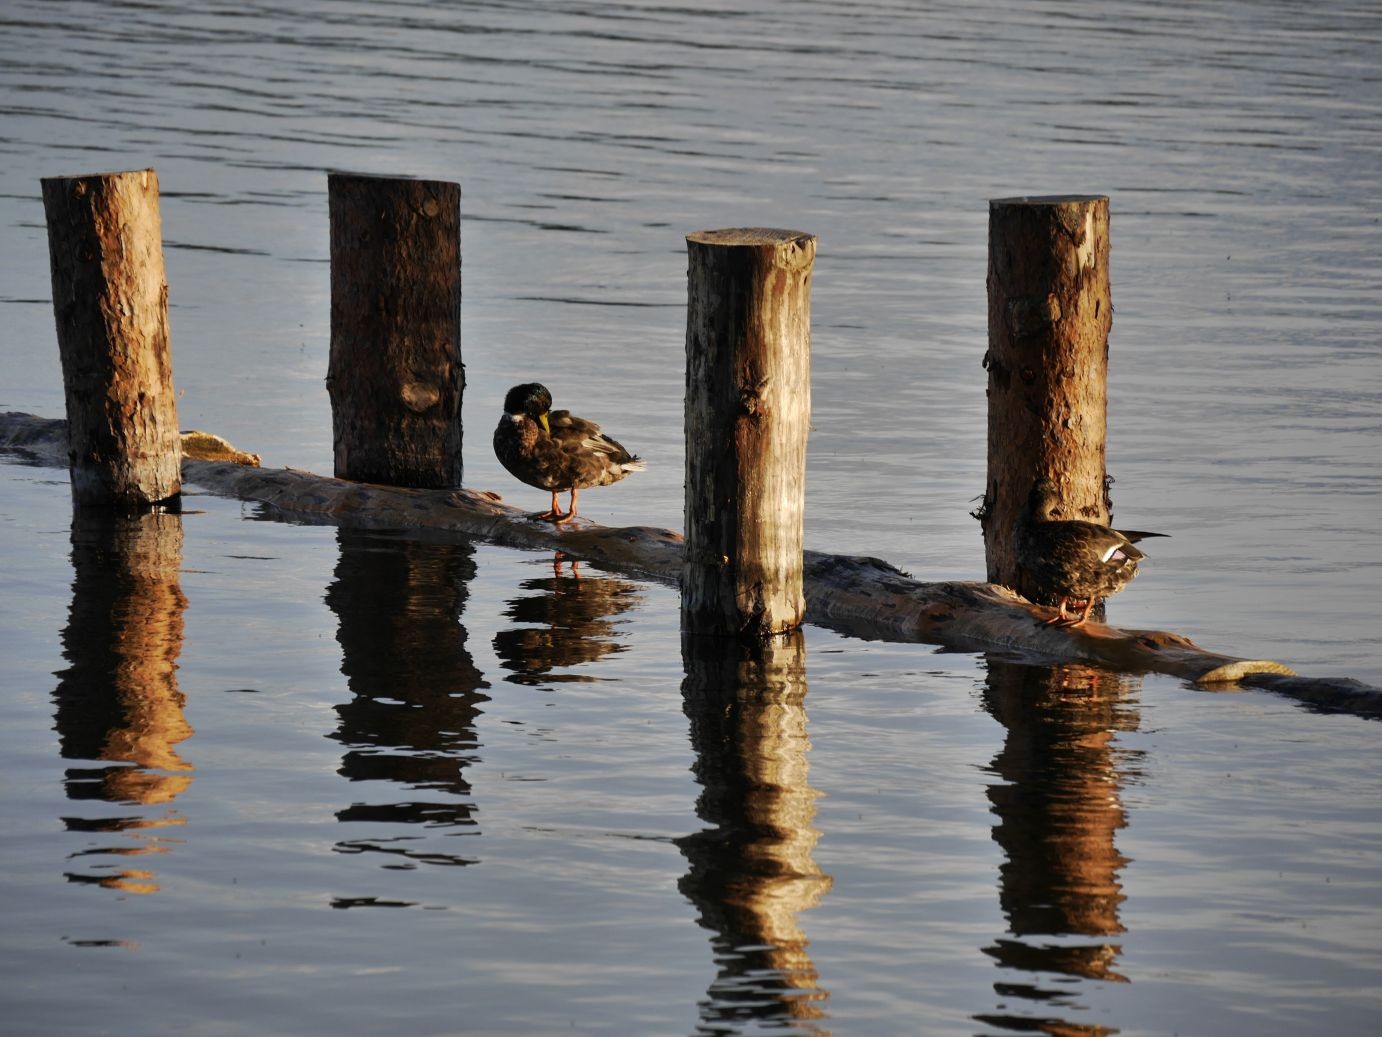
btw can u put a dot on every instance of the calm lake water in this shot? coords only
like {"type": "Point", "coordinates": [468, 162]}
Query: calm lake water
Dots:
{"type": "Point", "coordinates": [262, 778]}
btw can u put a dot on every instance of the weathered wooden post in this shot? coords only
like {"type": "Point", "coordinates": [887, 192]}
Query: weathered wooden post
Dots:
{"type": "Point", "coordinates": [110, 302]}
{"type": "Point", "coordinates": [395, 375]}
{"type": "Point", "coordinates": [748, 404]}
{"type": "Point", "coordinates": [1050, 312]}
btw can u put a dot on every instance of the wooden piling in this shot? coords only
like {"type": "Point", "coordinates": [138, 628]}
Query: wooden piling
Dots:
{"type": "Point", "coordinates": [395, 375]}
{"type": "Point", "coordinates": [748, 404]}
{"type": "Point", "coordinates": [1050, 312]}
{"type": "Point", "coordinates": [110, 303]}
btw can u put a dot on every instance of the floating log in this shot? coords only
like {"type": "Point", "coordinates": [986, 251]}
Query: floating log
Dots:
{"type": "Point", "coordinates": [748, 404]}
{"type": "Point", "coordinates": [857, 595]}
{"type": "Point", "coordinates": [110, 301]}
{"type": "Point", "coordinates": [1050, 312]}
{"type": "Point", "coordinates": [395, 375]}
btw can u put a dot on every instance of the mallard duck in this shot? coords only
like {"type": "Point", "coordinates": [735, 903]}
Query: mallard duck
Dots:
{"type": "Point", "coordinates": [555, 450]}
{"type": "Point", "coordinates": [1081, 562]}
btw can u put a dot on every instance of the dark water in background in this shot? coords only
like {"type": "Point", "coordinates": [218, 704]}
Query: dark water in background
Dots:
{"type": "Point", "coordinates": [229, 743]}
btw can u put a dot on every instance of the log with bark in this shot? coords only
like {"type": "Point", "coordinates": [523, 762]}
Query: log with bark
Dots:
{"type": "Point", "coordinates": [857, 595]}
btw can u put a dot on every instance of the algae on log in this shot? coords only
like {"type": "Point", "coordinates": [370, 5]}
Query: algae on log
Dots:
{"type": "Point", "coordinates": [857, 595]}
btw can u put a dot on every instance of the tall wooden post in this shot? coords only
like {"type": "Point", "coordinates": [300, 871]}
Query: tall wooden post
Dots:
{"type": "Point", "coordinates": [395, 375]}
{"type": "Point", "coordinates": [748, 404]}
{"type": "Point", "coordinates": [1049, 317]}
{"type": "Point", "coordinates": [110, 302]}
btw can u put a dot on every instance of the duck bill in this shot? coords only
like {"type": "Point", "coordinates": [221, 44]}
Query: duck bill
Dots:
{"type": "Point", "coordinates": [545, 427]}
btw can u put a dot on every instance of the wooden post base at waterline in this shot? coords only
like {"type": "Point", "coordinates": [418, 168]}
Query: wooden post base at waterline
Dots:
{"type": "Point", "coordinates": [857, 595]}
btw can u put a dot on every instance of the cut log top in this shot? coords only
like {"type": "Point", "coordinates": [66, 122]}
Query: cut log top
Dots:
{"type": "Point", "coordinates": [751, 237]}
{"type": "Point", "coordinates": [857, 595]}
{"type": "Point", "coordinates": [1047, 200]}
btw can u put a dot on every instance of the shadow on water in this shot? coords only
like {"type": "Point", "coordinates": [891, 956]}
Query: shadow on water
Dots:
{"type": "Point", "coordinates": [571, 620]}
{"type": "Point", "coordinates": [416, 692]}
{"type": "Point", "coordinates": [117, 705]}
{"type": "Point", "coordinates": [1058, 809]}
{"type": "Point", "coordinates": [750, 869]}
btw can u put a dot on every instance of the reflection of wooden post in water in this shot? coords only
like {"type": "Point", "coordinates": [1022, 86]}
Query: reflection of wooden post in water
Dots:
{"type": "Point", "coordinates": [118, 700]}
{"type": "Point", "coordinates": [1057, 816]}
{"type": "Point", "coordinates": [751, 870]}
{"type": "Point", "coordinates": [416, 689]}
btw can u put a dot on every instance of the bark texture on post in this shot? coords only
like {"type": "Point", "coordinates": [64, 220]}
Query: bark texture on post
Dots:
{"type": "Point", "coordinates": [110, 302]}
{"type": "Point", "coordinates": [748, 405]}
{"type": "Point", "coordinates": [395, 375]}
{"type": "Point", "coordinates": [1050, 312]}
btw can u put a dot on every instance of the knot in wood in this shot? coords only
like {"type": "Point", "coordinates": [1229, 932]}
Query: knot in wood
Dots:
{"type": "Point", "coordinates": [1032, 315]}
{"type": "Point", "coordinates": [751, 403]}
{"type": "Point", "coordinates": [419, 396]}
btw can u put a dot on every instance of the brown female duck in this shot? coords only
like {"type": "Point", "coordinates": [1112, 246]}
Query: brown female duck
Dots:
{"type": "Point", "coordinates": [1080, 562]}
{"type": "Point", "coordinates": [555, 450]}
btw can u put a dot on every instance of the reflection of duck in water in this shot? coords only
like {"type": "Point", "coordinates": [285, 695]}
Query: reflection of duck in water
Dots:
{"type": "Point", "coordinates": [555, 450]}
{"type": "Point", "coordinates": [1080, 562]}
{"type": "Point", "coordinates": [571, 622]}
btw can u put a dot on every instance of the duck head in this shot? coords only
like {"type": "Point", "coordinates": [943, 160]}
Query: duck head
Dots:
{"type": "Point", "coordinates": [531, 399]}
{"type": "Point", "coordinates": [1043, 501]}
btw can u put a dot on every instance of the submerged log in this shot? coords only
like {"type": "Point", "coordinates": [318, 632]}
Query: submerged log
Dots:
{"type": "Point", "coordinates": [857, 595]}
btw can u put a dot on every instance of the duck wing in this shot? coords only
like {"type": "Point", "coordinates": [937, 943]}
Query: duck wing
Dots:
{"type": "Point", "coordinates": [594, 458]}
{"type": "Point", "coordinates": [1132, 536]}
{"type": "Point", "coordinates": [1077, 558]}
